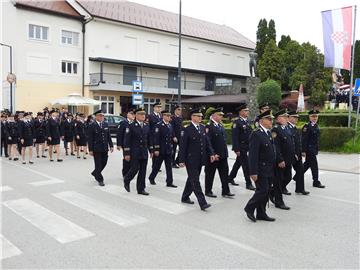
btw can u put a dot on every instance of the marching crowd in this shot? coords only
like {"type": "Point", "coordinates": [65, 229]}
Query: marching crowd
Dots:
{"type": "Point", "coordinates": [266, 152]}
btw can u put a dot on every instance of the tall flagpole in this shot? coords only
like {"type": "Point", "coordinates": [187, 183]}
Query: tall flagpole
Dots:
{"type": "Point", "coordinates": [179, 64]}
{"type": "Point", "coordinates": [352, 69]}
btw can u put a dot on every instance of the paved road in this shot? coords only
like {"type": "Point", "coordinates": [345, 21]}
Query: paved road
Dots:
{"type": "Point", "coordinates": [55, 216]}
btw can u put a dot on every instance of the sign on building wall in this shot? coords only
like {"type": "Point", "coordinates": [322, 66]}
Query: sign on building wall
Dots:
{"type": "Point", "coordinates": [138, 99]}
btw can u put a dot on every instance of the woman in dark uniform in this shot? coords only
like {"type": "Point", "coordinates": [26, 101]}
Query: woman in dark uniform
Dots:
{"type": "Point", "coordinates": [12, 134]}
{"type": "Point", "coordinates": [54, 135]}
{"type": "Point", "coordinates": [27, 137]}
{"type": "Point", "coordinates": [40, 134]}
{"type": "Point", "coordinates": [80, 135]}
{"type": "Point", "coordinates": [68, 130]}
{"type": "Point", "coordinates": [88, 122]}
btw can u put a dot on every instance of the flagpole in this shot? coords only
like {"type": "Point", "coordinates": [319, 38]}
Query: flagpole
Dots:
{"type": "Point", "coordinates": [352, 69]}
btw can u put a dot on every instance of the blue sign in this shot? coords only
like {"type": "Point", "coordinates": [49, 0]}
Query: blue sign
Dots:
{"type": "Point", "coordinates": [137, 86]}
{"type": "Point", "coordinates": [138, 99]}
{"type": "Point", "coordinates": [357, 88]}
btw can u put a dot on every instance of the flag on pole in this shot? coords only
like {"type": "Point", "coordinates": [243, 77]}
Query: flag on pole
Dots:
{"type": "Point", "coordinates": [337, 34]}
{"type": "Point", "coordinates": [301, 102]}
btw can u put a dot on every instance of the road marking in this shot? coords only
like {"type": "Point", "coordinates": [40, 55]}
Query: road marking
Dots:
{"type": "Point", "coordinates": [52, 224]}
{"type": "Point", "coordinates": [5, 188]}
{"type": "Point", "coordinates": [163, 205]}
{"type": "Point", "coordinates": [8, 249]}
{"type": "Point", "coordinates": [100, 209]}
{"type": "Point", "coordinates": [334, 199]}
{"type": "Point", "coordinates": [234, 243]}
{"type": "Point", "coordinates": [46, 182]}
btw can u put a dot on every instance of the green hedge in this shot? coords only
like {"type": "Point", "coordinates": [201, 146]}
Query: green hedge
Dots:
{"type": "Point", "coordinates": [330, 120]}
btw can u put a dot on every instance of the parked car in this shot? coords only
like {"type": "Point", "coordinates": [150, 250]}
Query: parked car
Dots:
{"type": "Point", "coordinates": [113, 121]}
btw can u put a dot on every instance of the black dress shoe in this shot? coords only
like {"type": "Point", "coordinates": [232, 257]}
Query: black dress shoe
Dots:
{"type": "Point", "coordinates": [37, 156]}
{"type": "Point", "coordinates": [286, 192]}
{"type": "Point", "coordinates": [188, 201]}
{"type": "Point", "coordinates": [318, 184]}
{"type": "Point", "coordinates": [152, 182]}
{"type": "Point", "coordinates": [250, 187]}
{"type": "Point", "coordinates": [265, 217]}
{"type": "Point", "coordinates": [101, 183]}
{"type": "Point", "coordinates": [143, 193]}
{"type": "Point", "coordinates": [210, 194]}
{"type": "Point", "coordinates": [171, 185]}
{"type": "Point", "coordinates": [283, 207]}
{"type": "Point", "coordinates": [43, 156]}
{"type": "Point", "coordinates": [72, 154]}
{"type": "Point", "coordinates": [233, 182]}
{"type": "Point", "coordinates": [206, 206]}
{"type": "Point", "coordinates": [304, 192]}
{"type": "Point", "coordinates": [127, 187]}
{"type": "Point", "coordinates": [251, 216]}
{"type": "Point", "coordinates": [59, 160]}
{"type": "Point", "coordinates": [228, 195]}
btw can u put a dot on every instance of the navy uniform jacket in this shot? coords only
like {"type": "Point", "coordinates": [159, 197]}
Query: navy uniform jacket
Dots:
{"type": "Point", "coordinates": [136, 141]}
{"type": "Point", "coordinates": [121, 132]}
{"type": "Point", "coordinates": [262, 154]}
{"type": "Point", "coordinates": [99, 139]}
{"type": "Point", "coordinates": [294, 132]}
{"type": "Point", "coordinates": [195, 147]}
{"type": "Point", "coordinates": [164, 138]}
{"type": "Point", "coordinates": [53, 129]}
{"type": "Point", "coordinates": [285, 149]}
{"type": "Point", "coordinates": [80, 129]}
{"type": "Point", "coordinates": [176, 122]}
{"type": "Point", "coordinates": [217, 137]}
{"type": "Point", "coordinates": [12, 130]}
{"type": "Point", "coordinates": [310, 138]}
{"type": "Point", "coordinates": [3, 130]}
{"type": "Point", "coordinates": [153, 120]}
{"type": "Point", "coordinates": [68, 129]}
{"type": "Point", "coordinates": [241, 131]}
{"type": "Point", "coordinates": [40, 129]}
{"type": "Point", "coordinates": [26, 130]}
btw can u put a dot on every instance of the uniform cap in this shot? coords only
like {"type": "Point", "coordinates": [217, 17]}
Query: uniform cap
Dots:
{"type": "Point", "coordinates": [266, 114]}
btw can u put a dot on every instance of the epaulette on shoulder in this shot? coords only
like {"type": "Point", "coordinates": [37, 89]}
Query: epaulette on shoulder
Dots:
{"type": "Point", "coordinates": [235, 119]}
{"type": "Point", "coordinates": [187, 125]}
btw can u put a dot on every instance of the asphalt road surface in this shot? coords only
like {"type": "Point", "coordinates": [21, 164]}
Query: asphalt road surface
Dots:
{"type": "Point", "coordinates": [54, 215]}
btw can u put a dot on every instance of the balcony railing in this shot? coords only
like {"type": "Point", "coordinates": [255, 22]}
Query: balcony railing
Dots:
{"type": "Point", "coordinates": [120, 79]}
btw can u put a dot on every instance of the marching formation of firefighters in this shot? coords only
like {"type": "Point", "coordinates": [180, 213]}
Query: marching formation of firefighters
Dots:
{"type": "Point", "coordinates": [267, 153]}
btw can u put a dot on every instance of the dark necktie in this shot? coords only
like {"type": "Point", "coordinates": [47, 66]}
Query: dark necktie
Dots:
{"type": "Point", "coordinates": [198, 128]}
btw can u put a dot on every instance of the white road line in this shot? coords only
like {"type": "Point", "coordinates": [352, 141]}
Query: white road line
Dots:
{"type": "Point", "coordinates": [100, 209]}
{"type": "Point", "coordinates": [46, 182]}
{"type": "Point", "coordinates": [234, 243]}
{"type": "Point", "coordinates": [5, 188]}
{"type": "Point", "coordinates": [54, 225]}
{"type": "Point", "coordinates": [334, 199]}
{"type": "Point", "coordinates": [8, 249]}
{"type": "Point", "coordinates": [150, 201]}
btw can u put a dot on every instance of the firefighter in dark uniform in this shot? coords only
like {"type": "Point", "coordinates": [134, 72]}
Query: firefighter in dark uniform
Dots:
{"type": "Point", "coordinates": [217, 136]}
{"type": "Point", "coordinates": [298, 163]}
{"type": "Point", "coordinates": [262, 108]}
{"type": "Point", "coordinates": [19, 116]}
{"type": "Point", "coordinates": [99, 142]}
{"type": "Point", "coordinates": [80, 135]}
{"type": "Point", "coordinates": [40, 134]}
{"type": "Point", "coordinates": [195, 150]}
{"type": "Point", "coordinates": [176, 122]}
{"type": "Point", "coordinates": [153, 119]}
{"type": "Point", "coordinates": [27, 137]}
{"type": "Point", "coordinates": [54, 135]}
{"type": "Point", "coordinates": [68, 131]}
{"type": "Point", "coordinates": [310, 147]}
{"type": "Point", "coordinates": [262, 158]}
{"type": "Point", "coordinates": [12, 135]}
{"type": "Point", "coordinates": [4, 144]}
{"type": "Point", "coordinates": [163, 140]}
{"type": "Point", "coordinates": [285, 155]}
{"type": "Point", "coordinates": [136, 148]}
{"type": "Point", "coordinates": [130, 117]}
{"type": "Point", "coordinates": [241, 130]}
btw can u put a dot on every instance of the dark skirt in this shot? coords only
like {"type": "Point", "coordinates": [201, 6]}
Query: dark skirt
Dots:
{"type": "Point", "coordinates": [14, 140]}
{"type": "Point", "coordinates": [81, 142]}
{"type": "Point", "coordinates": [27, 142]}
{"type": "Point", "coordinates": [40, 140]}
{"type": "Point", "coordinates": [54, 141]}
{"type": "Point", "coordinates": [68, 138]}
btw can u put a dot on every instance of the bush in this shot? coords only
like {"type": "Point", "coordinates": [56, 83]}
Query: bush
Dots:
{"type": "Point", "coordinates": [207, 113]}
{"type": "Point", "coordinates": [329, 120]}
{"type": "Point", "coordinates": [332, 138]}
{"type": "Point", "coordinates": [269, 91]}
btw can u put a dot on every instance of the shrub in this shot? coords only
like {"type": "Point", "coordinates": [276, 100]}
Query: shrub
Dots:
{"type": "Point", "coordinates": [269, 91]}
{"type": "Point", "coordinates": [332, 138]}
{"type": "Point", "coordinates": [329, 120]}
{"type": "Point", "coordinates": [207, 113]}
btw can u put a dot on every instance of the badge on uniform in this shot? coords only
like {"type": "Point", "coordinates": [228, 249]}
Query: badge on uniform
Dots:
{"type": "Point", "coordinates": [244, 126]}
{"type": "Point", "coordinates": [206, 130]}
{"type": "Point", "coordinates": [156, 130]}
{"type": "Point", "coordinates": [234, 125]}
{"type": "Point", "coordinates": [136, 124]}
{"type": "Point", "coordinates": [127, 130]}
{"type": "Point", "coordinates": [273, 134]}
{"type": "Point", "coordinates": [182, 133]}
{"type": "Point", "coordinates": [305, 129]}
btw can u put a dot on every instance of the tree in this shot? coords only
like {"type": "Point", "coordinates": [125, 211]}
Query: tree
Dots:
{"type": "Point", "coordinates": [318, 93]}
{"type": "Point", "coordinates": [357, 60]}
{"type": "Point", "coordinates": [261, 37]}
{"type": "Point", "coordinates": [293, 54]}
{"type": "Point", "coordinates": [269, 91]}
{"type": "Point", "coordinates": [271, 65]}
{"type": "Point", "coordinates": [284, 40]}
{"type": "Point", "coordinates": [271, 33]}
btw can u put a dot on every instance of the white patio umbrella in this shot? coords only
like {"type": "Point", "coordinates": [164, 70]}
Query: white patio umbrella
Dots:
{"type": "Point", "coordinates": [75, 99]}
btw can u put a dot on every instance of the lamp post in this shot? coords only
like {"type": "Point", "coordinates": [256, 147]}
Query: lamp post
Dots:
{"type": "Point", "coordinates": [11, 77]}
{"type": "Point", "coordinates": [179, 63]}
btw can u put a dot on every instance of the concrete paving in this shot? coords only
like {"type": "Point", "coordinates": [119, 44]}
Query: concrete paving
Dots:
{"type": "Point", "coordinates": [55, 216]}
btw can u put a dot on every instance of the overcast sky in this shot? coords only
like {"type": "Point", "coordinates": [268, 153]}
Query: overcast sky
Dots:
{"type": "Point", "coordinates": [301, 19]}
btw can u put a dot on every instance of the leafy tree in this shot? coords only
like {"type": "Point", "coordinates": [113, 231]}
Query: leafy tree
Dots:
{"type": "Point", "coordinates": [269, 91]}
{"type": "Point", "coordinates": [293, 54]}
{"type": "Point", "coordinates": [318, 93]}
{"type": "Point", "coordinates": [284, 40]}
{"type": "Point", "coordinates": [271, 33]}
{"type": "Point", "coordinates": [261, 37]}
{"type": "Point", "coordinates": [357, 60]}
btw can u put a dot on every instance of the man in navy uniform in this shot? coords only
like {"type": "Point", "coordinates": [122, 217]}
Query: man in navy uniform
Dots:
{"type": "Point", "coordinates": [176, 122]}
{"type": "Point", "coordinates": [310, 147]}
{"type": "Point", "coordinates": [285, 155]}
{"type": "Point", "coordinates": [297, 164]}
{"type": "Point", "coordinates": [263, 107]}
{"type": "Point", "coordinates": [136, 147]}
{"type": "Point", "coordinates": [195, 150]}
{"type": "Point", "coordinates": [154, 118]}
{"type": "Point", "coordinates": [217, 136]}
{"type": "Point", "coordinates": [163, 140]}
{"type": "Point", "coordinates": [130, 117]}
{"type": "Point", "coordinates": [241, 130]}
{"type": "Point", "coordinates": [262, 158]}
{"type": "Point", "coordinates": [99, 141]}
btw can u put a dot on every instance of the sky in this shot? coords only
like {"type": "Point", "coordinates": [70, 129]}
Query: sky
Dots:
{"type": "Point", "coordinates": [301, 19]}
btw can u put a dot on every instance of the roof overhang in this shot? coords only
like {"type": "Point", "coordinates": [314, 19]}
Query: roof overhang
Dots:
{"type": "Point", "coordinates": [217, 99]}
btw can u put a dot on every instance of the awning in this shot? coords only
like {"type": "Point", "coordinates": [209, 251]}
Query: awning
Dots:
{"type": "Point", "coordinates": [75, 99]}
{"type": "Point", "coordinates": [221, 99]}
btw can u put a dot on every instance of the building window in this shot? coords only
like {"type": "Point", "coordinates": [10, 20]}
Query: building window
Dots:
{"type": "Point", "coordinates": [130, 75]}
{"type": "Point", "coordinates": [69, 38]}
{"type": "Point", "coordinates": [173, 81]}
{"type": "Point", "coordinates": [107, 104]}
{"type": "Point", "coordinates": [37, 32]}
{"type": "Point", "coordinates": [68, 67]}
{"type": "Point", "coordinates": [148, 102]}
{"type": "Point", "coordinates": [223, 82]}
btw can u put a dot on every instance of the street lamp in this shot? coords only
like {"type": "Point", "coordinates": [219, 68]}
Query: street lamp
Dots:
{"type": "Point", "coordinates": [11, 77]}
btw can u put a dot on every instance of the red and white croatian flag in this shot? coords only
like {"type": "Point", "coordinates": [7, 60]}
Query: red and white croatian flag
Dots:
{"type": "Point", "coordinates": [337, 33]}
